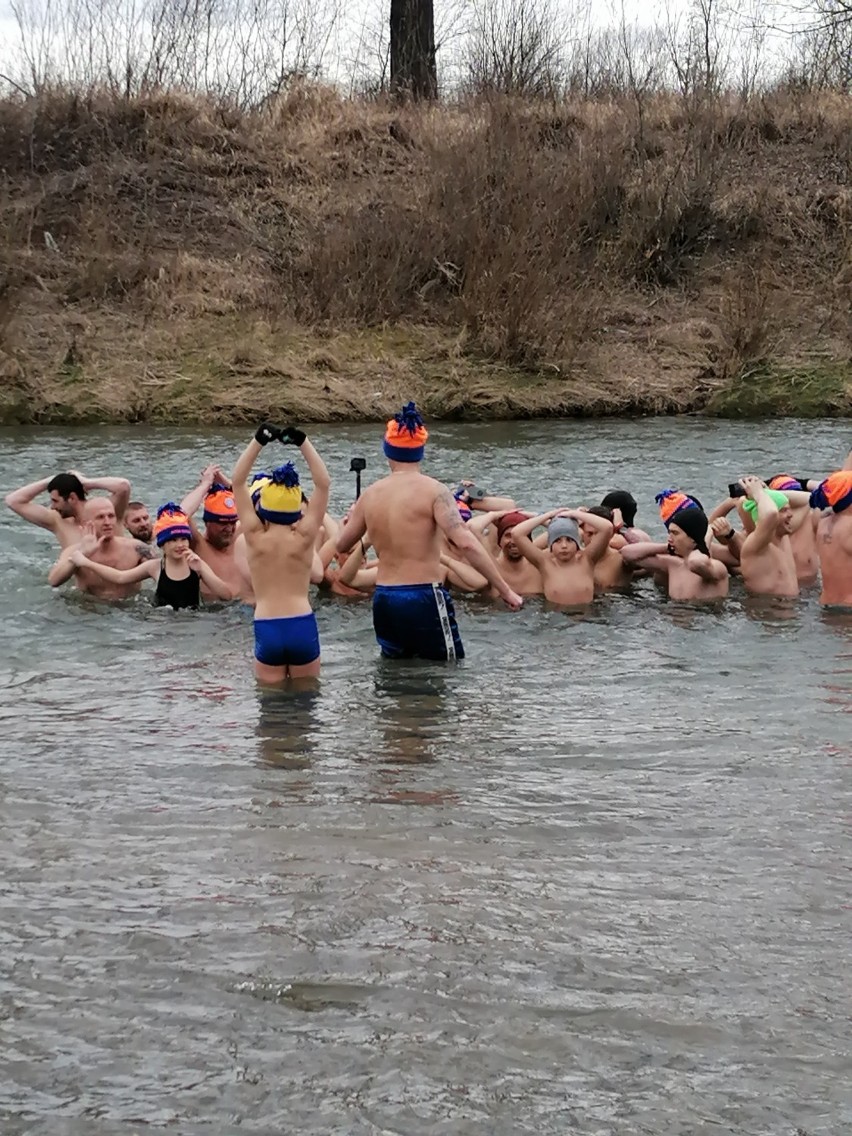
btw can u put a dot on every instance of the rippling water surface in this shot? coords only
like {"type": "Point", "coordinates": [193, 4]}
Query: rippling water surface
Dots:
{"type": "Point", "coordinates": [594, 879]}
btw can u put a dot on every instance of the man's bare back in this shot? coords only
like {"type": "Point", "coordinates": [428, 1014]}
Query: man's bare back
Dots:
{"type": "Point", "coordinates": [399, 512]}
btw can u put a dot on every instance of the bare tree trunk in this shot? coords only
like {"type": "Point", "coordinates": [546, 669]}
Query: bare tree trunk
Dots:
{"type": "Point", "coordinates": [412, 44]}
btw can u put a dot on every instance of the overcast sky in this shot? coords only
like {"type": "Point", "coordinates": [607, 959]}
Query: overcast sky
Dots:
{"type": "Point", "coordinates": [358, 34]}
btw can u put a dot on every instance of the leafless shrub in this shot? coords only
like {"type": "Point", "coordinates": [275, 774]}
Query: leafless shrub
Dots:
{"type": "Point", "coordinates": [513, 47]}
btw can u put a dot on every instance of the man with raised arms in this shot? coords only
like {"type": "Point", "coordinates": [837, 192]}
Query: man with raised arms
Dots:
{"type": "Point", "coordinates": [495, 530]}
{"type": "Point", "coordinates": [215, 545]}
{"type": "Point", "coordinates": [99, 543]}
{"type": "Point", "coordinates": [691, 573]}
{"type": "Point", "coordinates": [567, 566]}
{"type": "Point", "coordinates": [408, 514]}
{"type": "Point", "coordinates": [834, 536]}
{"type": "Point", "coordinates": [612, 572]}
{"type": "Point", "coordinates": [64, 517]}
{"type": "Point", "coordinates": [280, 534]}
{"type": "Point", "coordinates": [766, 558]}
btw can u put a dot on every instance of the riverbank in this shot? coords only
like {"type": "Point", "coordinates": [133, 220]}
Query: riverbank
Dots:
{"type": "Point", "coordinates": [169, 259]}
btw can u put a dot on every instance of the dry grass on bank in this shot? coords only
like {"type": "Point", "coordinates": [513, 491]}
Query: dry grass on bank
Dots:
{"type": "Point", "coordinates": [170, 257]}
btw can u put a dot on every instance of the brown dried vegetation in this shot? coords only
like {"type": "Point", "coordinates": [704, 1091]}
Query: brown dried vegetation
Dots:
{"type": "Point", "coordinates": [169, 257]}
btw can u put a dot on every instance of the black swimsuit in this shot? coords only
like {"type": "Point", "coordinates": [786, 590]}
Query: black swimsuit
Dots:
{"type": "Point", "coordinates": [178, 593]}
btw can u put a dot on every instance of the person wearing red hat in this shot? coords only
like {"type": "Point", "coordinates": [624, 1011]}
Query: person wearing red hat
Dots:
{"type": "Point", "coordinates": [495, 530]}
{"type": "Point", "coordinates": [408, 514]}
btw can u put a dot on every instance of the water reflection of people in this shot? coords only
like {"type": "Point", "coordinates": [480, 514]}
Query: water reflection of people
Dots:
{"type": "Point", "coordinates": [287, 725]}
{"type": "Point", "coordinates": [413, 716]}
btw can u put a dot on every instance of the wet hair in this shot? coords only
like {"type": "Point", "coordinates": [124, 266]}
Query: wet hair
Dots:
{"type": "Point", "coordinates": [601, 511]}
{"type": "Point", "coordinates": [65, 484]}
{"type": "Point", "coordinates": [133, 505]}
{"type": "Point", "coordinates": [626, 502]}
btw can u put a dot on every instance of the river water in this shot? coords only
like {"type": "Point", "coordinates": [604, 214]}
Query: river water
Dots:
{"type": "Point", "coordinates": [594, 879]}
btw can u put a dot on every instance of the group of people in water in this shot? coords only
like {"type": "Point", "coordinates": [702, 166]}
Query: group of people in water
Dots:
{"type": "Point", "coordinates": [409, 541]}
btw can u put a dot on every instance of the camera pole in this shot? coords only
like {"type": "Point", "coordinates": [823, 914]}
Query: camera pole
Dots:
{"type": "Point", "coordinates": [356, 466]}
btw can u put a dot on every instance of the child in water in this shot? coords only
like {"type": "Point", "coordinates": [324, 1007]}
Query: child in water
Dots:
{"type": "Point", "coordinates": [178, 574]}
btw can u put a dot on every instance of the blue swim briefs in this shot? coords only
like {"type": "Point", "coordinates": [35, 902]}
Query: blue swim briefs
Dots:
{"type": "Point", "coordinates": [290, 642]}
{"type": "Point", "coordinates": [416, 621]}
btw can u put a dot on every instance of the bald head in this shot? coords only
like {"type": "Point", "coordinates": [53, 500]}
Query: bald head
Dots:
{"type": "Point", "coordinates": [100, 512]}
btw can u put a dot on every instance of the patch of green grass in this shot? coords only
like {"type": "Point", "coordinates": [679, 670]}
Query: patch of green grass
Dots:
{"type": "Point", "coordinates": [773, 390]}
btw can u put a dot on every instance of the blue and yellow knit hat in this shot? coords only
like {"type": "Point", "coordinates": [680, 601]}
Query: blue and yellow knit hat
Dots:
{"type": "Point", "coordinates": [277, 497]}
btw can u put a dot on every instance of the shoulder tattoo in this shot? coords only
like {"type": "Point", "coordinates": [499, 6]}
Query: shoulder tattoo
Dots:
{"type": "Point", "coordinates": [145, 551]}
{"type": "Point", "coordinates": [448, 509]}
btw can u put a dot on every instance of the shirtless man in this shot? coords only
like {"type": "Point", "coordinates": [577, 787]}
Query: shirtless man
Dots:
{"type": "Point", "coordinates": [691, 573]}
{"type": "Point", "coordinates": [834, 536]}
{"type": "Point", "coordinates": [137, 521]}
{"type": "Point", "coordinates": [567, 567]}
{"type": "Point", "coordinates": [766, 558]}
{"type": "Point", "coordinates": [215, 545]}
{"type": "Point", "coordinates": [281, 532]}
{"type": "Point", "coordinates": [803, 536]}
{"type": "Point", "coordinates": [99, 543]}
{"type": "Point", "coordinates": [67, 499]}
{"type": "Point", "coordinates": [495, 529]}
{"type": "Point", "coordinates": [408, 514]}
{"type": "Point", "coordinates": [802, 530]}
{"type": "Point", "coordinates": [612, 572]}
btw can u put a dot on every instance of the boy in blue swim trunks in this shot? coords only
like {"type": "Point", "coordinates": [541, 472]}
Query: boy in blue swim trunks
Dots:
{"type": "Point", "coordinates": [408, 516]}
{"type": "Point", "coordinates": [280, 531]}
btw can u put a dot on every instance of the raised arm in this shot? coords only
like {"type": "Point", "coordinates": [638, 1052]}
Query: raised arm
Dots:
{"type": "Point", "coordinates": [727, 541]}
{"type": "Point", "coordinates": [722, 509]}
{"type": "Point", "coordinates": [191, 503]}
{"type": "Point", "coordinates": [22, 501]}
{"type": "Point", "coordinates": [117, 487]}
{"type": "Point", "coordinates": [522, 536]}
{"type": "Point", "coordinates": [446, 514]}
{"type": "Point", "coordinates": [493, 504]}
{"type": "Point", "coordinates": [647, 554]}
{"type": "Point", "coordinates": [318, 504]}
{"type": "Point", "coordinates": [242, 495]}
{"type": "Point", "coordinates": [604, 529]}
{"type": "Point", "coordinates": [766, 524]}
